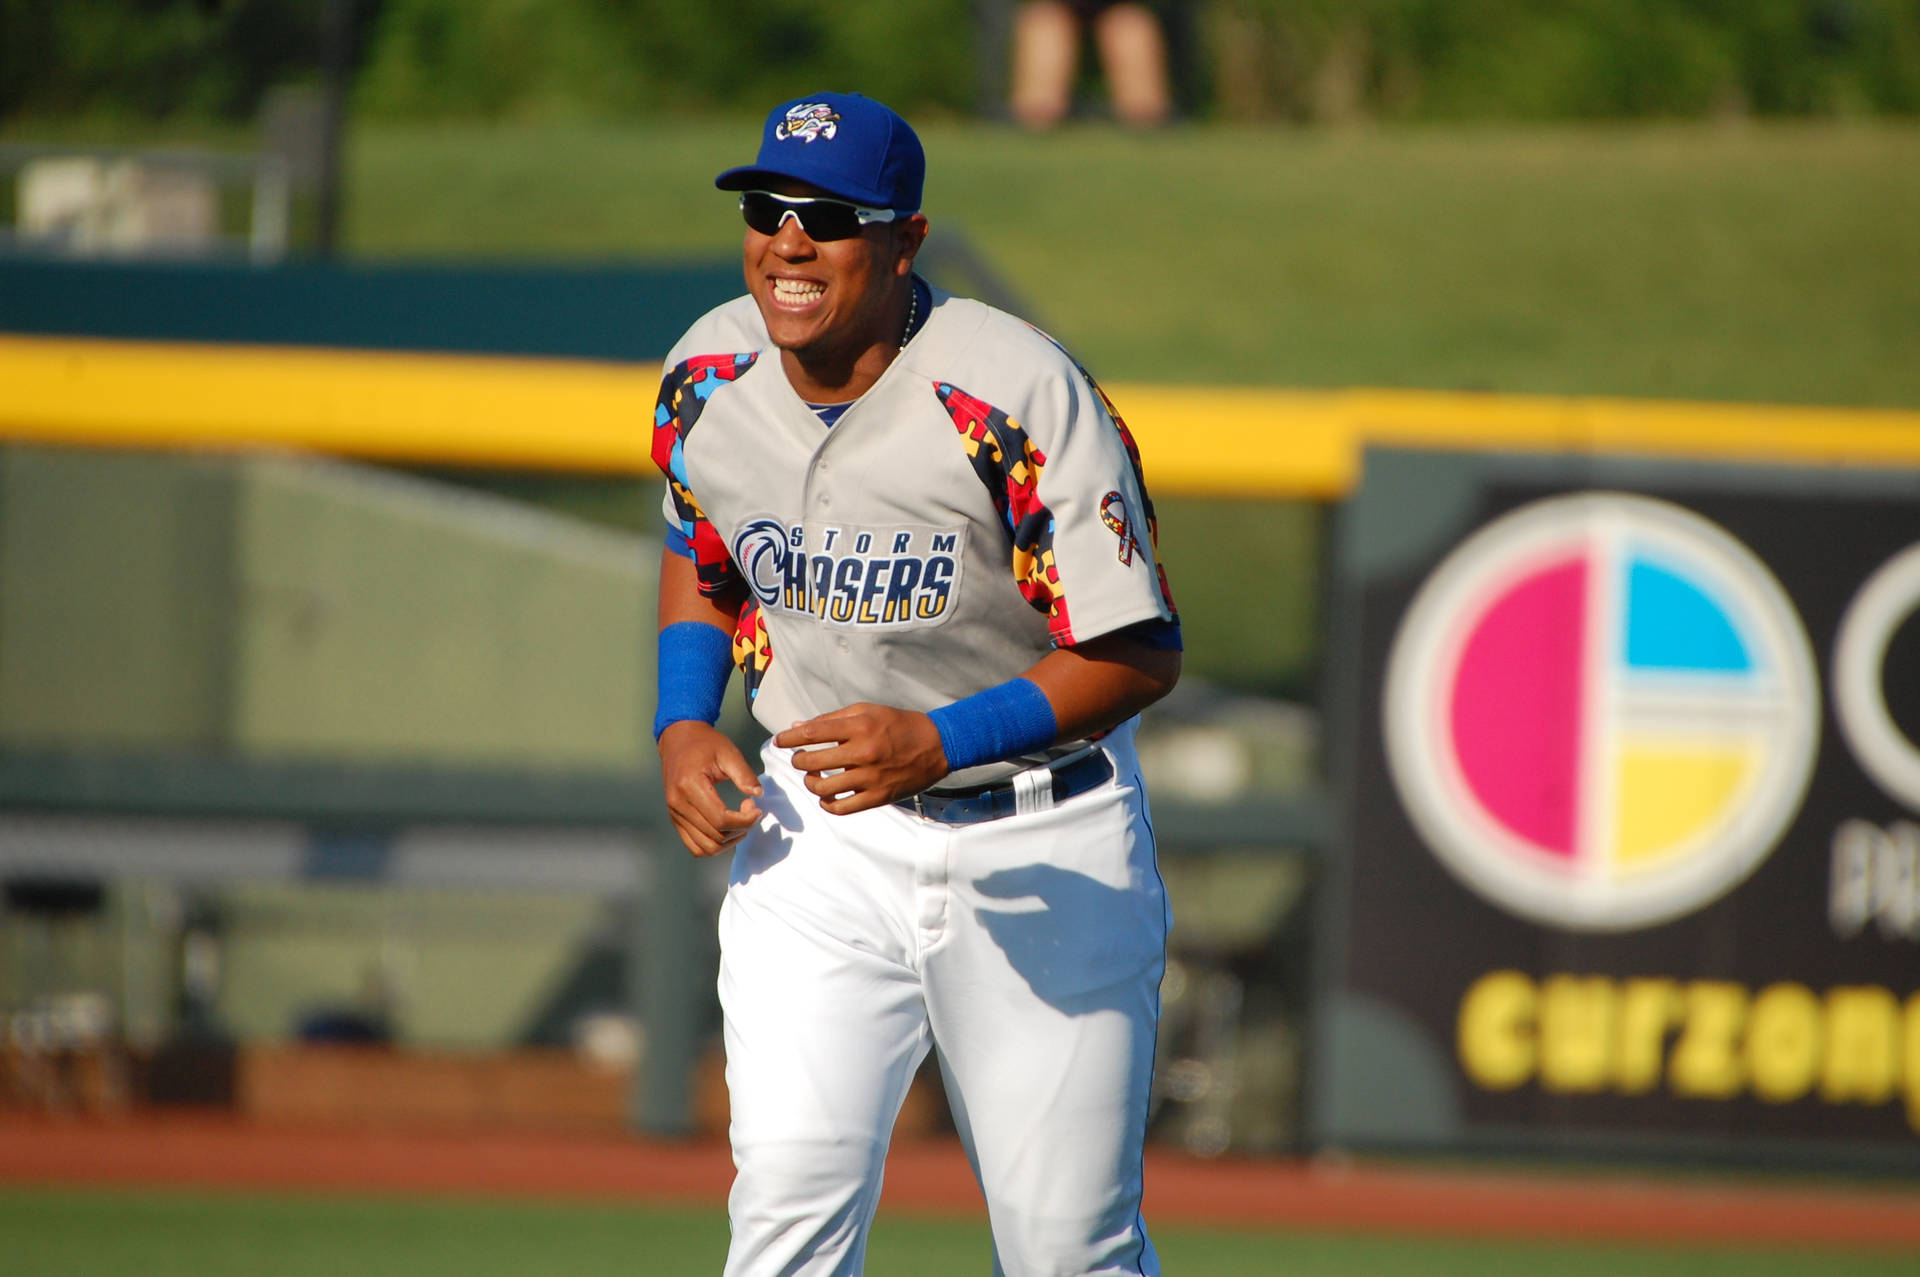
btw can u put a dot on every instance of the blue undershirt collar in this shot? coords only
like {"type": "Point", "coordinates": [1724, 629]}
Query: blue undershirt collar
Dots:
{"type": "Point", "coordinates": [830, 413]}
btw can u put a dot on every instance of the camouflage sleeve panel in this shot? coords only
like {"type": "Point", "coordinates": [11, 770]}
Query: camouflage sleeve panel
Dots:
{"type": "Point", "coordinates": [684, 392]}
{"type": "Point", "coordinates": [752, 646]}
{"type": "Point", "coordinates": [1009, 466]}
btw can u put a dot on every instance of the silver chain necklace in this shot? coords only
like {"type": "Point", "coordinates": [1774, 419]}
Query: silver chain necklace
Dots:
{"type": "Point", "coordinates": [913, 311]}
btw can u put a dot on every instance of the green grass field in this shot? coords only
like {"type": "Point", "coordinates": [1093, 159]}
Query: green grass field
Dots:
{"type": "Point", "coordinates": [70, 1233]}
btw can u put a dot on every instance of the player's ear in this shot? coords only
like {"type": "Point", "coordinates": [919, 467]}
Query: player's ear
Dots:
{"type": "Point", "coordinates": [909, 233]}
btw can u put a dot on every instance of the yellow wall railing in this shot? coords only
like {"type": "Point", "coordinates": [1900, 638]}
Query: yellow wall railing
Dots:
{"type": "Point", "coordinates": [566, 415]}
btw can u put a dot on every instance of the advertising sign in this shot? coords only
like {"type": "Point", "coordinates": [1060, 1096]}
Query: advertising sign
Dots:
{"type": "Point", "coordinates": [1631, 779]}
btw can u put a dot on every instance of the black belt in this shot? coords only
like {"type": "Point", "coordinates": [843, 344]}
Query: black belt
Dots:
{"type": "Point", "coordinates": [991, 802]}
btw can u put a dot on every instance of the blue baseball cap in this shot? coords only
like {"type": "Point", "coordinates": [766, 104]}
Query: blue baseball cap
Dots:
{"type": "Point", "coordinates": [845, 144]}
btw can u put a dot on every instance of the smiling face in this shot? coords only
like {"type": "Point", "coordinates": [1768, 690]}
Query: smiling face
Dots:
{"type": "Point", "coordinates": [835, 308]}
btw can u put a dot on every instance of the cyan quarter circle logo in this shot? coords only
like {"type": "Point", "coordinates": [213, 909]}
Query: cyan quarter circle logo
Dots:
{"type": "Point", "coordinates": [1601, 711]}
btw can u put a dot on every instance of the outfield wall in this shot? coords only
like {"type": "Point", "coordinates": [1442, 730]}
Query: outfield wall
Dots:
{"type": "Point", "coordinates": [556, 369]}
{"type": "Point", "coordinates": [594, 416]}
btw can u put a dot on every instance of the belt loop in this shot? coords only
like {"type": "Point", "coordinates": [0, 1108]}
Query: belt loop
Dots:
{"type": "Point", "coordinates": [1032, 790]}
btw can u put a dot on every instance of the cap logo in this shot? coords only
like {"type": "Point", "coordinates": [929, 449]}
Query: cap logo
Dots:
{"type": "Point", "coordinates": [807, 121]}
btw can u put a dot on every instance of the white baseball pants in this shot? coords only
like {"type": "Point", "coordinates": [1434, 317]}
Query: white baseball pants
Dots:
{"type": "Point", "coordinates": [1027, 951]}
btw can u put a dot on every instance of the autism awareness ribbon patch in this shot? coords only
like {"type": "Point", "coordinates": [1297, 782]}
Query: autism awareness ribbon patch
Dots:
{"type": "Point", "coordinates": [1113, 513]}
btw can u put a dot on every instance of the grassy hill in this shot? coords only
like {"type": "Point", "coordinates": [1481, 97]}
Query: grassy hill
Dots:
{"type": "Point", "coordinates": [1733, 262]}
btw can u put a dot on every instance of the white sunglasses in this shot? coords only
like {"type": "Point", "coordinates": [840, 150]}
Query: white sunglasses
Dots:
{"type": "Point", "coordinates": [820, 217]}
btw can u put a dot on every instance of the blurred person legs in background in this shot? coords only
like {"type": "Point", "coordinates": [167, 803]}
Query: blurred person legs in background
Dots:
{"type": "Point", "coordinates": [1047, 35]}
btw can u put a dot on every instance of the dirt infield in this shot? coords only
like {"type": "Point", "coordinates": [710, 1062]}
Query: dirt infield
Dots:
{"type": "Point", "coordinates": [932, 1176]}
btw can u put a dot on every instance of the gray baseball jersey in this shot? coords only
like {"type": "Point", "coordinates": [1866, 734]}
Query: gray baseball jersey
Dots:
{"type": "Point", "coordinates": [980, 505]}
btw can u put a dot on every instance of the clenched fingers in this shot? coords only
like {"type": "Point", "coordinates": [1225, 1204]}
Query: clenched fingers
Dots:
{"type": "Point", "coordinates": [695, 758]}
{"type": "Point", "coordinates": [705, 824]}
{"type": "Point", "coordinates": [706, 838]}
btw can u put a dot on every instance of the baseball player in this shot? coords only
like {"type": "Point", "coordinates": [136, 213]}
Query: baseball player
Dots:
{"type": "Point", "coordinates": [919, 530]}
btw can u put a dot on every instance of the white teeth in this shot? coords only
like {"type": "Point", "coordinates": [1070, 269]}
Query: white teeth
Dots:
{"type": "Point", "coordinates": [797, 292]}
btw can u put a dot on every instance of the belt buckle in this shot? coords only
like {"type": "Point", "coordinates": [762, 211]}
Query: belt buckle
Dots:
{"type": "Point", "coordinates": [919, 808]}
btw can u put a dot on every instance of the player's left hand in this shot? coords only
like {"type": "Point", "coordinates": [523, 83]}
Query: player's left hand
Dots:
{"type": "Point", "coordinates": [877, 755]}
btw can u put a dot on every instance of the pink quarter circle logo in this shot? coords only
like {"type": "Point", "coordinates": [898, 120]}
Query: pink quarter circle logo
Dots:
{"type": "Point", "coordinates": [1601, 711]}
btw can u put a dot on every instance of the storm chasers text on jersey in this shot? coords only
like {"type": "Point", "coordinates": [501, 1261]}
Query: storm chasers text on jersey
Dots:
{"type": "Point", "coordinates": [889, 576]}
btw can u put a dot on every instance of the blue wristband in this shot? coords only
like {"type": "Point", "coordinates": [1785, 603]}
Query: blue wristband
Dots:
{"type": "Point", "coordinates": [1001, 722]}
{"type": "Point", "coordinates": [695, 662]}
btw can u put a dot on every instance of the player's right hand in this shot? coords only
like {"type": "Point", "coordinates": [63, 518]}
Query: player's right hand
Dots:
{"type": "Point", "coordinates": [694, 758]}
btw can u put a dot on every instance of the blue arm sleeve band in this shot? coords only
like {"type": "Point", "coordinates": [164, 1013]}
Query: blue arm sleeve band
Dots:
{"type": "Point", "coordinates": [678, 543]}
{"type": "Point", "coordinates": [696, 660]}
{"type": "Point", "coordinates": [1001, 722]}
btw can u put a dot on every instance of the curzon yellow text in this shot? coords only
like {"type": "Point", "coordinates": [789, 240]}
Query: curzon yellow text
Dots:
{"type": "Point", "coordinates": [1699, 1039]}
